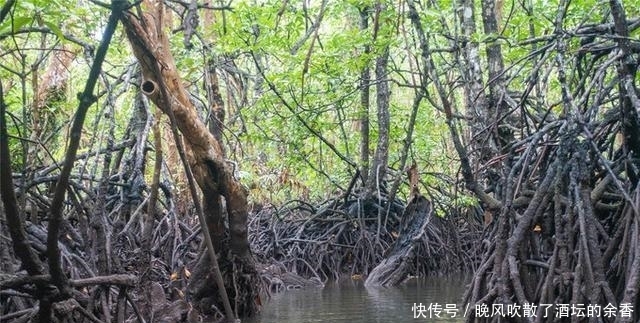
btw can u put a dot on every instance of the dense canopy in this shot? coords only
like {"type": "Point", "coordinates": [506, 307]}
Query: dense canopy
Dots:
{"type": "Point", "coordinates": [177, 160]}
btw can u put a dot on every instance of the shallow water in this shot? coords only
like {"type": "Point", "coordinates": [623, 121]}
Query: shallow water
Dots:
{"type": "Point", "coordinates": [351, 302]}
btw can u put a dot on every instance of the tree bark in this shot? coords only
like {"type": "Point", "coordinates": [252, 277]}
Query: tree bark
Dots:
{"type": "Point", "coordinates": [213, 174]}
{"type": "Point", "coordinates": [381, 156]}
{"type": "Point", "coordinates": [477, 110]}
{"type": "Point", "coordinates": [394, 268]}
{"type": "Point", "coordinates": [363, 117]}
{"type": "Point", "coordinates": [497, 93]}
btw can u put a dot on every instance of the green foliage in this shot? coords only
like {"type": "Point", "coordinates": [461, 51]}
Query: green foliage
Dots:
{"type": "Point", "coordinates": [283, 139]}
{"type": "Point", "coordinates": [319, 88]}
{"type": "Point", "coordinates": [30, 36]}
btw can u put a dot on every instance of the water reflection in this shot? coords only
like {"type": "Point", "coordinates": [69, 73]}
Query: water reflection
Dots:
{"type": "Point", "coordinates": [351, 302]}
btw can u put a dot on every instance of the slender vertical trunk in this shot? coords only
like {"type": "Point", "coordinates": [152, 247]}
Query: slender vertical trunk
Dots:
{"type": "Point", "coordinates": [146, 263]}
{"type": "Point", "coordinates": [379, 164]}
{"type": "Point", "coordinates": [363, 117]}
{"type": "Point", "coordinates": [133, 167]}
{"type": "Point", "coordinates": [213, 203]}
{"type": "Point", "coordinates": [381, 156]}
{"type": "Point", "coordinates": [477, 110]}
{"type": "Point", "coordinates": [497, 93]}
{"type": "Point", "coordinates": [216, 104]}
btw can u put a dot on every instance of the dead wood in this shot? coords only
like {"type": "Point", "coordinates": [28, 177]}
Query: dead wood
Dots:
{"type": "Point", "coordinates": [342, 237]}
{"type": "Point", "coordinates": [395, 266]}
{"type": "Point", "coordinates": [416, 216]}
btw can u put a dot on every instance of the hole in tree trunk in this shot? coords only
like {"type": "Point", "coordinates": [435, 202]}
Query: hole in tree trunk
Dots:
{"type": "Point", "coordinates": [148, 87]}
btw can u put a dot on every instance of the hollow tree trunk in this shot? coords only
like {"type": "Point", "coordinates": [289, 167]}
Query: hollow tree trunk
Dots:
{"type": "Point", "coordinates": [213, 174]}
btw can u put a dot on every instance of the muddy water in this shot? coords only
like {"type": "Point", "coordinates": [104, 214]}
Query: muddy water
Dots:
{"type": "Point", "coordinates": [416, 301]}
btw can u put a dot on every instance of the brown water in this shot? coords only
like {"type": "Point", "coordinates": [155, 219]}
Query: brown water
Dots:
{"type": "Point", "coordinates": [353, 303]}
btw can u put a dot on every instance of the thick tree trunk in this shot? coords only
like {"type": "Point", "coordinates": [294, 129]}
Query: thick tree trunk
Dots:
{"type": "Point", "coordinates": [213, 174]}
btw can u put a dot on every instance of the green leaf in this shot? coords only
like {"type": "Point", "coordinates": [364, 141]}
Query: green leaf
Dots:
{"type": "Point", "coordinates": [54, 27]}
{"type": "Point", "coordinates": [20, 22]}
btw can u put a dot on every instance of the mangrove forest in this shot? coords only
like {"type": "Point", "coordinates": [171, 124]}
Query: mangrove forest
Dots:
{"type": "Point", "coordinates": [194, 160]}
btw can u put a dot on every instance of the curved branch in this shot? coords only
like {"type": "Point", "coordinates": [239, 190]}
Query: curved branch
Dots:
{"type": "Point", "coordinates": [314, 132]}
{"type": "Point", "coordinates": [86, 100]}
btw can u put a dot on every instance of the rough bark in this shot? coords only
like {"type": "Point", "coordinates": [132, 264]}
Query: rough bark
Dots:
{"type": "Point", "coordinates": [214, 175]}
{"type": "Point", "coordinates": [394, 268]}
{"type": "Point", "coordinates": [133, 168]}
{"type": "Point", "coordinates": [477, 110]}
{"type": "Point", "coordinates": [216, 104]}
{"type": "Point", "coordinates": [379, 163]}
{"type": "Point", "coordinates": [213, 203]}
{"type": "Point", "coordinates": [498, 97]}
{"type": "Point", "coordinates": [363, 118]}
